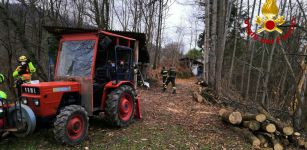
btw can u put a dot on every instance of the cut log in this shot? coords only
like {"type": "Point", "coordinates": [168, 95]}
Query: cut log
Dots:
{"type": "Point", "coordinates": [231, 117]}
{"type": "Point", "coordinates": [263, 141]}
{"type": "Point", "coordinates": [284, 140]}
{"type": "Point", "coordinates": [282, 127]}
{"type": "Point", "coordinates": [297, 139]}
{"type": "Point", "coordinates": [268, 127]}
{"type": "Point", "coordinates": [197, 97]}
{"type": "Point", "coordinates": [257, 117]}
{"type": "Point", "coordinates": [248, 135]}
{"type": "Point", "coordinates": [287, 130]}
{"type": "Point", "coordinates": [276, 144]}
{"type": "Point", "coordinates": [252, 125]}
{"type": "Point", "coordinates": [294, 139]}
{"type": "Point", "coordinates": [297, 134]}
{"type": "Point", "coordinates": [301, 142]}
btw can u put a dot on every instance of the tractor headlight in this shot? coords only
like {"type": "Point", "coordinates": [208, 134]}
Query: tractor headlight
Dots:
{"type": "Point", "coordinates": [36, 102]}
{"type": "Point", "coordinates": [1, 112]}
{"type": "Point", "coordinates": [24, 100]}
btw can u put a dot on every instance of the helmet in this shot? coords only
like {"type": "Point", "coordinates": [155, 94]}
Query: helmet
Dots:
{"type": "Point", "coordinates": [1, 78]}
{"type": "Point", "coordinates": [23, 58]}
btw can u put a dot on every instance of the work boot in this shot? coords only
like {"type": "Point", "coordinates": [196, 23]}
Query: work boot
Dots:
{"type": "Point", "coordinates": [174, 90]}
{"type": "Point", "coordinates": [164, 88]}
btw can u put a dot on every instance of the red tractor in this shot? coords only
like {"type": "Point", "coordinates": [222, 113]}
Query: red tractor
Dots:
{"type": "Point", "coordinates": [94, 74]}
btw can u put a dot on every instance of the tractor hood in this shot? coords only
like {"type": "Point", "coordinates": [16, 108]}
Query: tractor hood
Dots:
{"type": "Point", "coordinates": [52, 87]}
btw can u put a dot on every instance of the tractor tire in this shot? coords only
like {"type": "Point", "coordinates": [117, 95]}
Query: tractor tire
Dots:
{"type": "Point", "coordinates": [120, 106]}
{"type": "Point", "coordinates": [71, 125]}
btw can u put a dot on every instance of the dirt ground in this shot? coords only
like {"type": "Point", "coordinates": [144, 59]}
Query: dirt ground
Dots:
{"type": "Point", "coordinates": [169, 122]}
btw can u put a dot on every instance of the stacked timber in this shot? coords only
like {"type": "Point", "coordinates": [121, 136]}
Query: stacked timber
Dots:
{"type": "Point", "coordinates": [262, 130]}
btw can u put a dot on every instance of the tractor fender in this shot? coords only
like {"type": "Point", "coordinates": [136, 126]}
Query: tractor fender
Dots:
{"type": "Point", "coordinates": [29, 117]}
{"type": "Point", "coordinates": [138, 112]}
{"type": "Point", "coordinates": [112, 85]}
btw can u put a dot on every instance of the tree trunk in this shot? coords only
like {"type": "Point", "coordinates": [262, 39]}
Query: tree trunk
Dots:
{"type": "Point", "coordinates": [212, 54]}
{"type": "Point", "coordinates": [157, 50]}
{"type": "Point", "coordinates": [223, 22]}
{"type": "Point", "coordinates": [259, 75]}
{"type": "Point", "coordinates": [251, 47]}
{"type": "Point", "coordinates": [235, 45]}
{"type": "Point", "coordinates": [266, 81]}
{"type": "Point", "coordinates": [207, 45]}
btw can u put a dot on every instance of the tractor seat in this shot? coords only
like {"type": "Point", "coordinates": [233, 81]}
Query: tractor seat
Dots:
{"type": "Point", "coordinates": [102, 76]}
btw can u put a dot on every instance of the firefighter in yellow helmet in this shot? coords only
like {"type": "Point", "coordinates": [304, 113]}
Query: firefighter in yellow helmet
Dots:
{"type": "Point", "coordinates": [3, 95]}
{"type": "Point", "coordinates": [23, 72]}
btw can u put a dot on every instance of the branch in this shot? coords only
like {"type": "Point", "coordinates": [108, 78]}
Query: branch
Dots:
{"type": "Point", "coordinates": [302, 10]}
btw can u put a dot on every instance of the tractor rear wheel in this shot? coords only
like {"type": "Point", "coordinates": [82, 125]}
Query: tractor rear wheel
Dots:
{"type": "Point", "coordinates": [120, 106]}
{"type": "Point", "coordinates": [71, 125]}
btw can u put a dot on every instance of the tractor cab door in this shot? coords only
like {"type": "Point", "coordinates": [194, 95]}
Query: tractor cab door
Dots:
{"type": "Point", "coordinates": [123, 57]}
{"type": "Point", "coordinates": [75, 63]}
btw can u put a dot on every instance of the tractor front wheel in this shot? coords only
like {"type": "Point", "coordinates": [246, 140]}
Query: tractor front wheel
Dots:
{"type": "Point", "coordinates": [120, 106]}
{"type": "Point", "coordinates": [71, 125]}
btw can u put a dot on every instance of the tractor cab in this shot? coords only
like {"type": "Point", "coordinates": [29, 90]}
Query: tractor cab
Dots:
{"type": "Point", "coordinates": [94, 74]}
{"type": "Point", "coordinates": [88, 64]}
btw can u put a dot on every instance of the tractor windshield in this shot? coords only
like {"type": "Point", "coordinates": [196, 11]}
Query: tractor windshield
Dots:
{"type": "Point", "coordinates": [76, 58]}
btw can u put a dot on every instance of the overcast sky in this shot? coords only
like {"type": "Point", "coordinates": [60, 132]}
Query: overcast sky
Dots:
{"type": "Point", "coordinates": [182, 17]}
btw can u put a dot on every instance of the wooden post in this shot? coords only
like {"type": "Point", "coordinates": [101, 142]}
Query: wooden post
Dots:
{"type": "Point", "coordinates": [136, 60]}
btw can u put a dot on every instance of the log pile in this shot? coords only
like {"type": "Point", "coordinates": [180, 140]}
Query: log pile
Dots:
{"type": "Point", "coordinates": [262, 130]}
{"type": "Point", "coordinates": [205, 94]}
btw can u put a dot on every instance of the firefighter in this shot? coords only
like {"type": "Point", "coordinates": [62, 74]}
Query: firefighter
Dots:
{"type": "Point", "coordinates": [23, 72]}
{"type": "Point", "coordinates": [171, 78]}
{"type": "Point", "coordinates": [164, 75]}
{"type": "Point", "coordinates": [2, 94]}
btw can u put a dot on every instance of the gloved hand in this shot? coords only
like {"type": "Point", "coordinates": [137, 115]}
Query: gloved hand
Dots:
{"type": "Point", "coordinates": [18, 68]}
